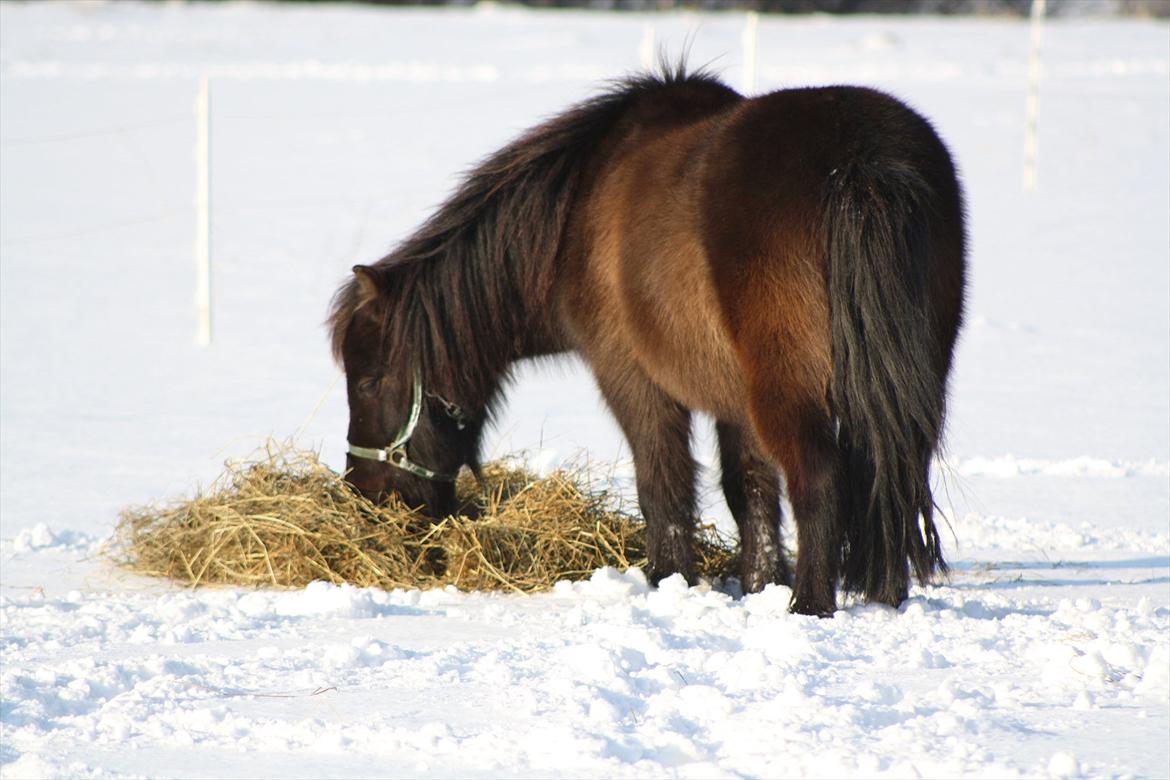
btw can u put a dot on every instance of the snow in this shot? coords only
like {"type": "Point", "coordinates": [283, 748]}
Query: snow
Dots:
{"type": "Point", "coordinates": [335, 130]}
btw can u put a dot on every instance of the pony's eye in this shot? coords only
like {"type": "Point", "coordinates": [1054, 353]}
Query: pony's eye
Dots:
{"type": "Point", "coordinates": [367, 387]}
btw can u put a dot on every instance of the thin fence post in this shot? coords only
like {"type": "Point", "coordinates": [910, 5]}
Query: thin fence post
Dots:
{"type": "Point", "coordinates": [1032, 105]}
{"type": "Point", "coordinates": [203, 214]}
{"type": "Point", "coordinates": [646, 48]}
{"type": "Point", "coordinates": [751, 34]}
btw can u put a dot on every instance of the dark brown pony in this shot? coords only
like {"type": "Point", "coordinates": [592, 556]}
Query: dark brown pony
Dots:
{"type": "Point", "coordinates": [792, 264]}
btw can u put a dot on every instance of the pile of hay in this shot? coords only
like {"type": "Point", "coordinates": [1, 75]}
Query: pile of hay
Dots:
{"type": "Point", "coordinates": [285, 519]}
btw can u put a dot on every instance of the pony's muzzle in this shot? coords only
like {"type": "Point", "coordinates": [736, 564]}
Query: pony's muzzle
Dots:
{"type": "Point", "coordinates": [367, 478]}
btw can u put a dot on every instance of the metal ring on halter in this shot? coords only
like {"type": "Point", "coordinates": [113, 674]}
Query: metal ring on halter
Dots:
{"type": "Point", "coordinates": [453, 410]}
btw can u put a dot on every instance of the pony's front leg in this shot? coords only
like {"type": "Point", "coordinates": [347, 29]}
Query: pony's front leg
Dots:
{"type": "Point", "coordinates": [751, 486]}
{"type": "Point", "coordinates": [658, 429]}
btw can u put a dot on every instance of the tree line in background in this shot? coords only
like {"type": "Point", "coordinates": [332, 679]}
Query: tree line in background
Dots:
{"type": "Point", "coordinates": [1058, 8]}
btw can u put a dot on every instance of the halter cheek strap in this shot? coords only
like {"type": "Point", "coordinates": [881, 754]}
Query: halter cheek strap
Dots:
{"type": "Point", "coordinates": [394, 453]}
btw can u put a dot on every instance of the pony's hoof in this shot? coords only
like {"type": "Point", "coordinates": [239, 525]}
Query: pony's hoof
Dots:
{"type": "Point", "coordinates": [756, 581]}
{"type": "Point", "coordinates": [891, 597]}
{"type": "Point", "coordinates": [811, 607]}
{"type": "Point", "coordinates": [656, 577]}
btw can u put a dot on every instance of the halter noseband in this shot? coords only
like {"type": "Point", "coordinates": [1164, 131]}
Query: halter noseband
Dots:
{"type": "Point", "coordinates": [394, 453]}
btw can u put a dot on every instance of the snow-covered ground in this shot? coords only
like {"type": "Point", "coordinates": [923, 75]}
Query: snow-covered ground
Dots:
{"type": "Point", "coordinates": [335, 130]}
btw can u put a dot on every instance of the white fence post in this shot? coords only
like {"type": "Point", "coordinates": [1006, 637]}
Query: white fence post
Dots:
{"type": "Point", "coordinates": [751, 34]}
{"type": "Point", "coordinates": [203, 214]}
{"type": "Point", "coordinates": [1032, 106]}
{"type": "Point", "coordinates": [646, 48]}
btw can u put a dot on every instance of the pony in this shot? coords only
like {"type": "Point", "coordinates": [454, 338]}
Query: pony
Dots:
{"type": "Point", "coordinates": [791, 264]}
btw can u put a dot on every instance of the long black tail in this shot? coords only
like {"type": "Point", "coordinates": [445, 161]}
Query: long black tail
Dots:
{"type": "Point", "coordinates": [889, 376]}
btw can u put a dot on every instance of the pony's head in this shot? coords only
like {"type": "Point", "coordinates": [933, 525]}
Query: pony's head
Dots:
{"type": "Point", "coordinates": [404, 437]}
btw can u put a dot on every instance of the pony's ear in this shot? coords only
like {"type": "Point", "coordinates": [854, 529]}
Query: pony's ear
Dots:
{"type": "Point", "coordinates": [369, 284]}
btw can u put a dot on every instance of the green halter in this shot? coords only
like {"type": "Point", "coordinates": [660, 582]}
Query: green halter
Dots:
{"type": "Point", "coordinates": [395, 453]}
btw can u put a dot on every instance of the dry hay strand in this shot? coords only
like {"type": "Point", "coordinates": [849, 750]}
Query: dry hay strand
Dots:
{"type": "Point", "coordinates": [284, 519]}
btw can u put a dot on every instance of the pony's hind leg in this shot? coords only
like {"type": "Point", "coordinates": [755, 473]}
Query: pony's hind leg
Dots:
{"type": "Point", "coordinates": [658, 429]}
{"type": "Point", "coordinates": [819, 507]}
{"type": "Point", "coordinates": [795, 429]}
{"type": "Point", "coordinates": [751, 486]}
{"type": "Point", "coordinates": [784, 349]}
{"type": "Point", "coordinates": [803, 441]}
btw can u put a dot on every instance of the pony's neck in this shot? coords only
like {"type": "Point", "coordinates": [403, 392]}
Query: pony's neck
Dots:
{"type": "Point", "coordinates": [479, 273]}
